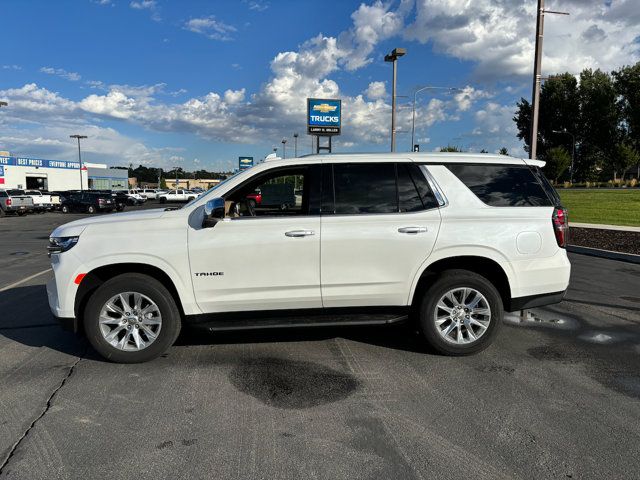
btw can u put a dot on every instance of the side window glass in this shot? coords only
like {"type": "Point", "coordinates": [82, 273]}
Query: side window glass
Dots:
{"type": "Point", "coordinates": [408, 196]}
{"type": "Point", "coordinates": [362, 188]}
{"type": "Point", "coordinates": [283, 192]}
{"type": "Point", "coordinates": [502, 185]}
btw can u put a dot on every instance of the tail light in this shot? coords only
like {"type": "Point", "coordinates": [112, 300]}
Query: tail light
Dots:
{"type": "Point", "coordinates": [560, 220]}
{"type": "Point", "coordinates": [8, 202]}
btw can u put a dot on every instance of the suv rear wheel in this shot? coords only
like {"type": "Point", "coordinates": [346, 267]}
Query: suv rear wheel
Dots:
{"type": "Point", "coordinates": [460, 313]}
{"type": "Point", "coordinates": [131, 318]}
{"type": "Point", "coordinates": [91, 209]}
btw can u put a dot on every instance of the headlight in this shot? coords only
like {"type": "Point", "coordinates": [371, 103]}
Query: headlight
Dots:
{"type": "Point", "coordinates": [61, 244]}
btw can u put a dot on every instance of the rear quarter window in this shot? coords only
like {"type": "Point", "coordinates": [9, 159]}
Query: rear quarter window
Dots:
{"type": "Point", "coordinates": [503, 185]}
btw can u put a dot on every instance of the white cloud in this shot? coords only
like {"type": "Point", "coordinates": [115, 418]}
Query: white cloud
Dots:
{"type": "Point", "coordinates": [232, 97]}
{"type": "Point", "coordinates": [376, 90]}
{"type": "Point", "coordinates": [11, 67]}
{"type": "Point", "coordinates": [149, 5]}
{"type": "Point", "coordinates": [258, 6]}
{"type": "Point", "coordinates": [498, 35]}
{"type": "Point", "coordinates": [61, 72]}
{"type": "Point", "coordinates": [211, 28]}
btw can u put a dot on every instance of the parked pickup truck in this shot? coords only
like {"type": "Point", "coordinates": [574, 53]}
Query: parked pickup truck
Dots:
{"type": "Point", "coordinates": [41, 202]}
{"type": "Point", "coordinates": [177, 196]}
{"type": "Point", "coordinates": [14, 201]}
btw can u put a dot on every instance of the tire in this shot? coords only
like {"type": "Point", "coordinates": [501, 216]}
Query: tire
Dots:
{"type": "Point", "coordinates": [21, 213]}
{"type": "Point", "coordinates": [459, 341]}
{"type": "Point", "coordinates": [91, 209]}
{"type": "Point", "coordinates": [2, 213]}
{"type": "Point", "coordinates": [155, 292]}
{"type": "Point", "coordinates": [65, 209]}
{"type": "Point", "coordinates": [163, 200]}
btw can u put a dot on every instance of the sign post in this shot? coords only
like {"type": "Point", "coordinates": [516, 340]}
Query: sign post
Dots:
{"type": "Point", "coordinates": [324, 119]}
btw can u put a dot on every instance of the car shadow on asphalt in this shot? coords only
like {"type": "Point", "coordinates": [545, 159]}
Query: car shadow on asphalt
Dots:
{"type": "Point", "coordinates": [25, 318]}
{"type": "Point", "coordinates": [402, 337]}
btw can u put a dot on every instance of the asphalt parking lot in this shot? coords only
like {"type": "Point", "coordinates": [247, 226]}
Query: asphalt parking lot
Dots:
{"type": "Point", "coordinates": [556, 396]}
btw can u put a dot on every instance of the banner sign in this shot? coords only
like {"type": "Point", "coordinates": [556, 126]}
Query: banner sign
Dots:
{"type": "Point", "coordinates": [245, 162]}
{"type": "Point", "coordinates": [37, 162]}
{"type": "Point", "coordinates": [324, 117]}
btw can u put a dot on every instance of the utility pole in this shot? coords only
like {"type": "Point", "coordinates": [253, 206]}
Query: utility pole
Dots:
{"type": "Point", "coordinates": [79, 137]}
{"type": "Point", "coordinates": [177, 184]}
{"type": "Point", "coordinates": [295, 145]}
{"type": "Point", "coordinates": [393, 58]}
{"type": "Point", "coordinates": [537, 77]}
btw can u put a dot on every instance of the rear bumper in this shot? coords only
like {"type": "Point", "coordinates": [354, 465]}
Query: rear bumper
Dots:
{"type": "Point", "coordinates": [521, 303]}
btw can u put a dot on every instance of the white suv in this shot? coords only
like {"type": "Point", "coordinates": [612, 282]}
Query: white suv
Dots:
{"type": "Point", "coordinates": [448, 241]}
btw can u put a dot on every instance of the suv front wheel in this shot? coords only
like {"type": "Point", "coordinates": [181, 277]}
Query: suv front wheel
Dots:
{"type": "Point", "coordinates": [460, 313]}
{"type": "Point", "coordinates": [131, 318]}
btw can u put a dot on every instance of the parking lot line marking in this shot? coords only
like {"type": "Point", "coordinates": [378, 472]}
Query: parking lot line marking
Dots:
{"type": "Point", "coordinates": [20, 282]}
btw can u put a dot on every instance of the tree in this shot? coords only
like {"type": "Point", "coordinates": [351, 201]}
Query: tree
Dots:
{"type": "Point", "coordinates": [503, 151]}
{"type": "Point", "coordinates": [559, 110]}
{"type": "Point", "coordinates": [558, 160]}
{"type": "Point", "coordinates": [599, 119]}
{"type": "Point", "coordinates": [626, 156]}
{"type": "Point", "coordinates": [450, 148]}
{"type": "Point", "coordinates": [627, 85]}
{"type": "Point", "coordinates": [484, 151]}
{"type": "Point", "coordinates": [163, 183]}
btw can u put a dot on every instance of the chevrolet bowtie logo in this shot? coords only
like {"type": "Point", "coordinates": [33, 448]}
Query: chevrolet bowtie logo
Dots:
{"type": "Point", "coordinates": [325, 107]}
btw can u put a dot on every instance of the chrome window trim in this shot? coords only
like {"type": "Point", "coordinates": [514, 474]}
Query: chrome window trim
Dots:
{"type": "Point", "coordinates": [435, 188]}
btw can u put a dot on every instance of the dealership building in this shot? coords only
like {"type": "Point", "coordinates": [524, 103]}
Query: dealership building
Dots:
{"type": "Point", "coordinates": [58, 175]}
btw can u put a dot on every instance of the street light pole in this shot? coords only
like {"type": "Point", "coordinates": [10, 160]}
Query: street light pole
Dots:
{"type": "Point", "coordinates": [413, 112]}
{"type": "Point", "coordinates": [537, 77]}
{"type": "Point", "coordinates": [295, 145]}
{"type": "Point", "coordinates": [79, 137]}
{"type": "Point", "coordinates": [573, 150]}
{"type": "Point", "coordinates": [393, 58]}
{"type": "Point", "coordinates": [284, 148]}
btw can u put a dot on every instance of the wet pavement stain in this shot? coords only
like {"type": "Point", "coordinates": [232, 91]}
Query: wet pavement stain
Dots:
{"type": "Point", "coordinates": [557, 353]}
{"type": "Point", "coordinates": [291, 384]}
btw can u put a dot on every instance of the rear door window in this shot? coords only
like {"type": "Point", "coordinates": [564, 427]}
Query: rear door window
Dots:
{"type": "Point", "coordinates": [362, 188]}
{"type": "Point", "coordinates": [502, 185]}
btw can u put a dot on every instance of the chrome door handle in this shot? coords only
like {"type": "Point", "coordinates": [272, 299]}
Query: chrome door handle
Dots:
{"type": "Point", "coordinates": [300, 233]}
{"type": "Point", "coordinates": [412, 229]}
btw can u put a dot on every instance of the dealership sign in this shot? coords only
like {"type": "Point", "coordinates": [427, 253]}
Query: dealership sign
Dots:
{"type": "Point", "coordinates": [37, 162]}
{"type": "Point", "coordinates": [245, 162]}
{"type": "Point", "coordinates": [324, 117]}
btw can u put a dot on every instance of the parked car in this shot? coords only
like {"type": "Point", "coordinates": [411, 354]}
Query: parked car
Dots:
{"type": "Point", "coordinates": [133, 193]}
{"type": "Point", "coordinates": [148, 193]}
{"type": "Point", "coordinates": [255, 198]}
{"type": "Point", "coordinates": [15, 201]}
{"type": "Point", "coordinates": [89, 202]}
{"type": "Point", "coordinates": [42, 202]}
{"type": "Point", "coordinates": [446, 241]}
{"type": "Point", "coordinates": [178, 195]}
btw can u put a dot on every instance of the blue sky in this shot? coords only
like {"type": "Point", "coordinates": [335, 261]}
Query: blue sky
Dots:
{"type": "Point", "coordinates": [199, 83]}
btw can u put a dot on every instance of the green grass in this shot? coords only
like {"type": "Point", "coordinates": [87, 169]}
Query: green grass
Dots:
{"type": "Point", "coordinates": [608, 207]}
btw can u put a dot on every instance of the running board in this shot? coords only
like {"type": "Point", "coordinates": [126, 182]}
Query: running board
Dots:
{"type": "Point", "coordinates": [288, 319]}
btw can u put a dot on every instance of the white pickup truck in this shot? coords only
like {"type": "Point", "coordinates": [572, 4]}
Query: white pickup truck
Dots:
{"type": "Point", "coordinates": [177, 196]}
{"type": "Point", "coordinates": [42, 202]}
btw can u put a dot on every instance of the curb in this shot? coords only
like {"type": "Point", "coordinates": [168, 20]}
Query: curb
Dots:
{"type": "Point", "coordinates": [595, 252]}
{"type": "Point", "coordinates": [618, 228]}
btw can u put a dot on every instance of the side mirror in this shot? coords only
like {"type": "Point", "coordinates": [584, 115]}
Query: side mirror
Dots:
{"type": "Point", "coordinates": [213, 211]}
